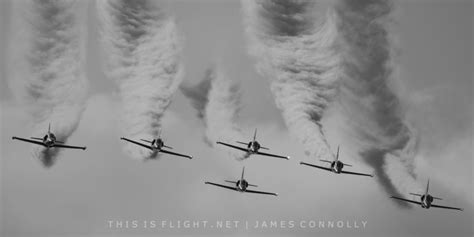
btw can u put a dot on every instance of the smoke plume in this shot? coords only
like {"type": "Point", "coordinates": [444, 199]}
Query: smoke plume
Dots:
{"type": "Point", "coordinates": [387, 143]}
{"type": "Point", "coordinates": [46, 67]}
{"type": "Point", "coordinates": [142, 55]}
{"type": "Point", "coordinates": [293, 44]}
{"type": "Point", "coordinates": [217, 101]}
{"type": "Point", "coordinates": [316, 53]}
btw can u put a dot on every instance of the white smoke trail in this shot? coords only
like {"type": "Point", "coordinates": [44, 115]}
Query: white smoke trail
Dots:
{"type": "Point", "coordinates": [142, 55]}
{"type": "Point", "coordinates": [293, 44]}
{"type": "Point", "coordinates": [217, 100]}
{"type": "Point", "coordinates": [388, 143]}
{"type": "Point", "coordinates": [312, 57]}
{"type": "Point", "coordinates": [46, 67]}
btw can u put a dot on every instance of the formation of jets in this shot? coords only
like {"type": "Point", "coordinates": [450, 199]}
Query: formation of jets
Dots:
{"type": "Point", "coordinates": [252, 148]}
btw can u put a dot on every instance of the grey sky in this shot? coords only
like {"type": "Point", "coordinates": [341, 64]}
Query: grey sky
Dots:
{"type": "Point", "coordinates": [85, 189]}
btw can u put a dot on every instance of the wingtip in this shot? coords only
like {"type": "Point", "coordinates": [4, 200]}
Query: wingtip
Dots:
{"type": "Point", "coordinates": [287, 158]}
{"type": "Point", "coordinates": [84, 148]}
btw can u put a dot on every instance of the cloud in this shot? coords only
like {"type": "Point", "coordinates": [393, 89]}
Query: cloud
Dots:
{"type": "Point", "coordinates": [142, 50]}
{"type": "Point", "coordinates": [46, 67]}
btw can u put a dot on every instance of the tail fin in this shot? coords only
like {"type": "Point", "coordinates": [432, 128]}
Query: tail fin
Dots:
{"type": "Point", "coordinates": [337, 154]}
{"type": "Point", "coordinates": [427, 187]}
{"type": "Point", "coordinates": [242, 177]}
{"type": "Point", "coordinates": [159, 133]}
{"type": "Point", "coordinates": [255, 135]}
{"type": "Point", "coordinates": [49, 128]}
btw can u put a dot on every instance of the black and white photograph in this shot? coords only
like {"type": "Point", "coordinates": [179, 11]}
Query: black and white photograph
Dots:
{"type": "Point", "coordinates": [137, 118]}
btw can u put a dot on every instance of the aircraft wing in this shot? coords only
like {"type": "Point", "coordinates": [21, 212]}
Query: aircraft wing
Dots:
{"type": "Point", "coordinates": [445, 207]}
{"type": "Point", "coordinates": [235, 147]}
{"type": "Point", "coordinates": [406, 200]}
{"type": "Point", "coordinates": [354, 173]}
{"type": "Point", "coordinates": [260, 192]}
{"type": "Point", "coordinates": [70, 147]}
{"type": "Point", "coordinates": [176, 154]}
{"type": "Point", "coordinates": [222, 186]}
{"type": "Point", "coordinates": [28, 140]}
{"type": "Point", "coordinates": [277, 156]}
{"type": "Point", "coordinates": [315, 166]}
{"type": "Point", "coordinates": [140, 144]}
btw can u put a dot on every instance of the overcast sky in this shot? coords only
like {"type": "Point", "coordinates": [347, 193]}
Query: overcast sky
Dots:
{"type": "Point", "coordinates": [84, 189]}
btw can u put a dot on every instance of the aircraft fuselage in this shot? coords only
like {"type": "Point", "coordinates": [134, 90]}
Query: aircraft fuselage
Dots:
{"type": "Point", "coordinates": [336, 166]}
{"type": "Point", "coordinates": [253, 147]}
{"type": "Point", "coordinates": [426, 201]}
{"type": "Point", "coordinates": [157, 144]}
{"type": "Point", "coordinates": [241, 185]}
{"type": "Point", "coordinates": [49, 139]}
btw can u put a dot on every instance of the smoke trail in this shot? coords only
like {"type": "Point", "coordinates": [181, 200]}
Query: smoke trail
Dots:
{"type": "Point", "coordinates": [312, 56]}
{"type": "Point", "coordinates": [142, 55]}
{"type": "Point", "coordinates": [46, 67]}
{"type": "Point", "coordinates": [293, 44]}
{"type": "Point", "coordinates": [217, 101]}
{"type": "Point", "coordinates": [388, 143]}
{"type": "Point", "coordinates": [199, 93]}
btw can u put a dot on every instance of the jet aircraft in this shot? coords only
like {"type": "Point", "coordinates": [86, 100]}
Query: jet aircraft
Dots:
{"type": "Point", "coordinates": [426, 200]}
{"type": "Point", "coordinates": [336, 166]}
{"type": "Point", "coordinates": [48, 141]}
{"type": "Point", "coordinates": [253, 147]}
{"type": "Point", "coordinates": [156, 145]}
{"type": "Point", "coordinates": [241, 185]}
